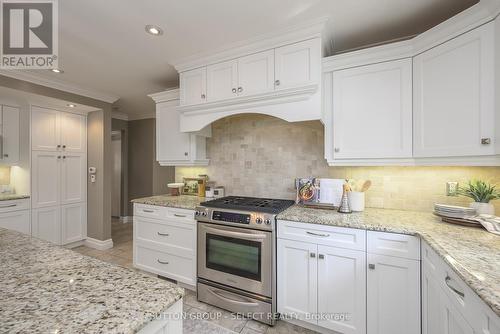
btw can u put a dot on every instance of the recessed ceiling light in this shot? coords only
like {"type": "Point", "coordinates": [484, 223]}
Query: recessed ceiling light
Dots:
{"type": "Point", "coordinates": [56, 70]}
{"type": "Point", "coordinates": [71, 105]}
{"type": "Point", "coordinates": [154, 30]}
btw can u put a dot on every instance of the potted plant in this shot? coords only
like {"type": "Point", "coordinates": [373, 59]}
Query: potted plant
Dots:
{"type": "Point", "coordinates": [482, 193]}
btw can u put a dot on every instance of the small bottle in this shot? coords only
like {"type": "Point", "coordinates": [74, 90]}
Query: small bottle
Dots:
{"type": "Point", "coordinates": [344, 203]}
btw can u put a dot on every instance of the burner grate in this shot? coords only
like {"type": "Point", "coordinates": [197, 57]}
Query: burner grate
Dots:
{"type": "Point", "coordinates": [266, 205]}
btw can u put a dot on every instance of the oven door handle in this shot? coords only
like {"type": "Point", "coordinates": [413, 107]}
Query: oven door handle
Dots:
{"type": "Point", "coordinates": [230, 300]}
{"type": "Point", "coordinates": [236, 234]}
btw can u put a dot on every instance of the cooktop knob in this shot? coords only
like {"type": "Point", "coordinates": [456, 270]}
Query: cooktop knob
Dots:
{"type": "Point", "coordinates": [268, 221]}
{"type": "Point", "coordinates": [197, 213]}
{"type": "Point", "coordinates": [204, 214]}
{"type": "Point", "coordinates": [258, 220]}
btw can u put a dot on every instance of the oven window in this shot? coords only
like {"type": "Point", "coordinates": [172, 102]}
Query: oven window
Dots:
{"type": "Point", "coordinates": [234, 256]}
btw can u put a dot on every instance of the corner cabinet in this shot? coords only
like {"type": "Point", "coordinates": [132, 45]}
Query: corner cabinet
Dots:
{"type": "Point", "coordinates": [173, 147]}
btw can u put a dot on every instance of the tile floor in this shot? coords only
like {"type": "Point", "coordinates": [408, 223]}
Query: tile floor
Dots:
{"type": "Point", "coordinates": [224, 321]}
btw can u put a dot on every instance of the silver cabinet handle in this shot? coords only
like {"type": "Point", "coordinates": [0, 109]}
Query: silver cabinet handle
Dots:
{"type": "Point", "coordinates": [163, 234]}
{"type": "Point", "coordinates": [234, 90]}
{"type": "Point", "coordinates": [148, 211]}
{"type": "Point", "coordinates": [313, 255]}
{"type": "Point", "coordinates": [485, 141]}
{"type": "Point", "coordinates": [162, 262]}
{"type": "Point", "coordinates": [447, 280]}
{"type": "Point", "coordinates": [219, 295]}
{"type": "Point", "coordinates": [277, 82]}
{"type": "Point", "coordinates": [321, 256]}
{"type": "Point", "coordinates": [318, 234]}
{"type": "Point", "coordinates": [371, 266]}
{"type": "Point", "coordinates": [178, 215]}
{"type": "Point", "coordinates": [8, 206]}
{"type": "Point", "coordinates": [240, 89]}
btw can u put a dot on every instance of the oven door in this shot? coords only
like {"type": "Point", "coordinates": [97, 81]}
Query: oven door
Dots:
{"type": "Point", "coordinates": [237, 257]}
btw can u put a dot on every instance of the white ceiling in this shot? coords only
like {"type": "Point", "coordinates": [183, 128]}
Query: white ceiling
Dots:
{"type": "Point", "coordinates": [103, 45]}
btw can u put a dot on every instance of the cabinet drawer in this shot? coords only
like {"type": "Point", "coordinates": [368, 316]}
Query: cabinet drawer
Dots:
{"type": "Point", "coordinates": [165, 264]}
{"type": "Point", "coordinates": [162, 212]}
{"type": "Point", "coordinates": [14, 205]}
{"type": "Point", "coordinates": [148, 211]}
{"type": "Point", "coordinates": [179, 214]}
{"type": "Point", "coordinates": [169, 234]}
{"type": "Point", "coordinates": [322, 235]}
{"type": "Point", "coordinates": [392, 244]}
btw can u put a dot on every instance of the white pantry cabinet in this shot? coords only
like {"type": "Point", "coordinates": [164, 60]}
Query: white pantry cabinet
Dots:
{"type": "Point", "coordinates": [9, 134]}
{"type": "Point", "coordinates": [372, 111]}
{"type": "Point", "coordinates": [173, 147]}
{"type": "Point", "coordinates": [58, 175]}
{"type": "Point", "coordinates": [193, 85]}
{"type": "Point", "coordinates": [454, 102]}
{"type": "Point", "coordinates": [317, 278]}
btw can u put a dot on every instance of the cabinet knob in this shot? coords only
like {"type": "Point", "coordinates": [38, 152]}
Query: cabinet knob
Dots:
{"type": "Point", "coordinates": [321, 256]}
{"type": "Point", "coordinates": [485, 141]}
{"type": "Point", "coordinates": [240, 89]}
{"type": "Point", "coordinates": [58, 157]}
{"type": "Point", "coordinates": [312, 255]}
{"type": "Point", "coordinates": [64, 157]}
{"type": "Point", "coordinates": [234, 90]}
{"type": "Point", "coordinates": [337, 150]}
{"type": "Point", "coordinates": [58, 146]}
{"type": "Point", "coordinates": [371, 266]}
{"type": "Point", "coordinates": [5, 155]}
{"type": "Point", "coordinates": [277, 82]}
{"type": "Point", "coordinates": [64, 146]}
{"type": "Point", "coordinates": [203, 96]}
{"type": "Point", "coordinates": [185, 154]}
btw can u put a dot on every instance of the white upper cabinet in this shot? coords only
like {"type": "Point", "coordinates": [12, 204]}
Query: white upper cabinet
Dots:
{"type": "Point", "coordinates": [193, 85]}
{"type": "Point", "coordinates": [256, 73]}
{"type": "Point", "coordinates": [45, 129]}
{"type": "Point", "coordinates": [222, 81]}
{"type": "Point", "coordinates": [298, 64]}
{"type": "Point", "coordinates": [73, 133]}
{"type": "Point", "coordinates": [454, 102]}
{"type": "Point", "coordinates": [372, 111]}
{"type": "Point", "coordinates": [10, 129]}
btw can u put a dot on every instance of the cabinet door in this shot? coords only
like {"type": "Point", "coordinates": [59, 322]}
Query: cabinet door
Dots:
{"type": "Point", "coordinates": [45, 134]}
{"type": "Point", "coordinates": [393, 295]}
{"type": "Point", "coordinates": [10, 135]}
{"type": "Point", "coordinates": [454, 99]}
{"type": "Point", "coordinates": [297, 279]}
{"type": "Point", "coordinates": [298, 64]}
{"type": "Point", "coordinates": [73, 223]}
{"type": "Point", "coordinates": [46, 224]}
{"type": "Point", "coordinates": [256, 73]}
{"type": "Point", "coordinates": [453, 321]}
{"type": "Point", "coordinates": [193, 85]}
{"type": "Point", "coordinates": [432, 318]}
{"type": "Point", "coordinates": [73, 178]}
{"type": "Point", "coordinates": [222, 81]}
{"type": "Point", "coordinates": [45, 178]}
{"type": "Point", "coordinates": [171, 144]}
{"type": "Point", "coordinates": [17, 221]}
{"type": "Point", "coordinates": [73, 132]}
{"type": "Point", "coordinates": [372, 111]}
{"type": "Point", "coordinates": [342, 289]}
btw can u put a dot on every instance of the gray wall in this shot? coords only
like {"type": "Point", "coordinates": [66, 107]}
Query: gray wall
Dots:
{"type": "Point", "coordinates": [99, 153]}
{"type": "Point", "coordinates": [122, 126]}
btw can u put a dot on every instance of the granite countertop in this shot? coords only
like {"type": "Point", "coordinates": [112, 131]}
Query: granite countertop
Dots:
{"type": "Point", "coordinates": [180, 202]}
{"type": "Point", "coordinates": [50, 289]}
{"type": "Point", "coordinates": [473, 253]}
{"type": "Point", "coordinates": [10, 197]}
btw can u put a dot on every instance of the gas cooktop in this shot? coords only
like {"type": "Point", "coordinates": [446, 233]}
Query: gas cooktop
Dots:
{"type": "Point", "coordinates": [264, 205]}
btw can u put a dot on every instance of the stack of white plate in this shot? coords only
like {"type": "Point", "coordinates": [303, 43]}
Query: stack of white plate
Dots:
{"type": "Point", "coordinates": [454, 211]}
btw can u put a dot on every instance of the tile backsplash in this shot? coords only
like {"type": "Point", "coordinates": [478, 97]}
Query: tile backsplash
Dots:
{"type": "Point", "coordinates": [257, 155]}
{"type": "Point", "coordinates": [4, 175]}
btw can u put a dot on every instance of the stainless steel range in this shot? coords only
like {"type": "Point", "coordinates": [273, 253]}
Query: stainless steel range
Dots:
{"type": "Point", "coordinates": [237, 254]}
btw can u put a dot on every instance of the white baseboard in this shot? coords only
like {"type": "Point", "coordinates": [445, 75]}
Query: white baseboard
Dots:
{"type": "Point", "coordinates": [127, 219]}
{"type": "Point", "coordinates": [98, 244]}
{"type": "Point", "coordinates": [75, 244]}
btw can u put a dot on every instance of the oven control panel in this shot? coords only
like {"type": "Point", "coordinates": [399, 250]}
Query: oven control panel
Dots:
{"type": "Point", "coordinates": [236, 218]}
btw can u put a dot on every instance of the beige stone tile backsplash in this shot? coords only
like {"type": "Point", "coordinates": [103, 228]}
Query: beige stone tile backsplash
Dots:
{"type": "Point", "coordinates": [4, 175]}
{"type": "Point", "coordinates": [257, 155]}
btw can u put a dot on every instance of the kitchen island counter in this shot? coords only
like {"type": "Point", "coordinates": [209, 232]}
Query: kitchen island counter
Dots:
{"type": "Point", "coordinates": [50, 289]}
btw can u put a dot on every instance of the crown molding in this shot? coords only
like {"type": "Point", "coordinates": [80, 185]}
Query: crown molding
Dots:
{"type": "Point", "coordinates": [166, 96]}
{"type": "Point", "coordinates": [58, 84]}
{"type": "Point", "coordinates": [119, 115]}
{"type": "Point", "coordinates": [292, 34]}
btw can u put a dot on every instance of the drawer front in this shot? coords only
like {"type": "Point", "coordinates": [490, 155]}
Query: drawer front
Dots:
{"type": "Point", "coordinates": [170, 234]}
{"type": "Point", "coordinates": [392, 244]}
{"type": "Point", "coordinates": [162, 212]}
{"type": "Point", "coordinates": [14, 205]}
{"type": "Point", "coordinates": [322, 235]}
{"type": "Point", "coordinates": [148, 211]}
{"type": "Point", "coordinates": [179, 214]}
{"type": "Point", "coordinates": [175, 267]}
{"type": "Point", "coordinates": [19, 221]}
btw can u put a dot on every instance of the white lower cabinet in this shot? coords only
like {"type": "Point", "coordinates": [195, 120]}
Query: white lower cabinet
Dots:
{"type": "Point", "coordinates": [46, 224]}
{"type": "Point", "coordinates": [393, 295]}
{"type": "Point", "coordinates": [73, 223]}
{"type": "Point", "coordinates": [17, 221]}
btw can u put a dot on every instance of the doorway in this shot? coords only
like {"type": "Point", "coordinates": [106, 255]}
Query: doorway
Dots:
{"type": "Point", "coordinates": [116, 186]}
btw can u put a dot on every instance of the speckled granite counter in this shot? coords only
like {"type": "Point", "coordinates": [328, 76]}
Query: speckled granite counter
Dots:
{"type": "Point", "coordinates": [473, 253]}
{"type": "Point", "coordinates": [180, 202]}
{"type": "Point", "coordinates": [49, 289]}
{"type": "Point", "coordinates": [10, 197]}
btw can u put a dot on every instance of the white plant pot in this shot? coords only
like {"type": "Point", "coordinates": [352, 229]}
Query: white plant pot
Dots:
{"type": "Point", "coordinates": [483, 208]}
